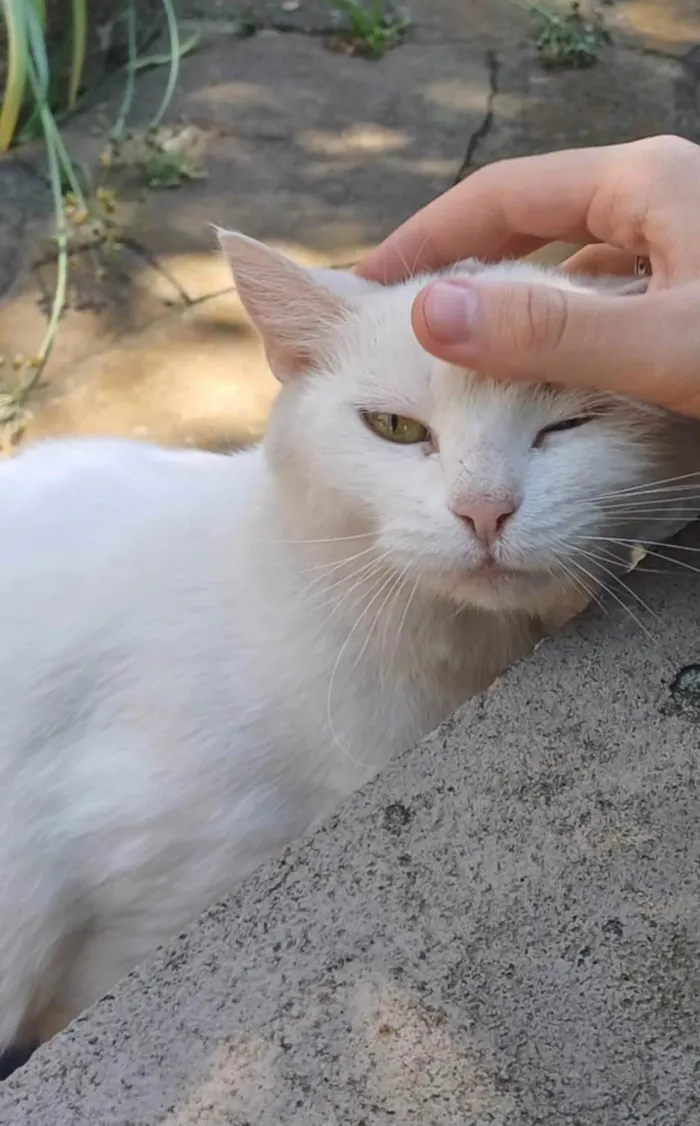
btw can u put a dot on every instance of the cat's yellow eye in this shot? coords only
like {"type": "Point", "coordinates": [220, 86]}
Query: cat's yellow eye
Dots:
{"type": "Point", "coordinates": [396, 427]}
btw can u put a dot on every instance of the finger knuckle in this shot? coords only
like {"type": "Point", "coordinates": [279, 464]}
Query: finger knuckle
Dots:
{"type": "Point", "coordinates": [653, 187]}
{"type": "Point", "coordinates": [536, 319]}
{"type": "Point", "coordinates": [668, 150]}
{"type": "Point", "coordinates": [640, 179]}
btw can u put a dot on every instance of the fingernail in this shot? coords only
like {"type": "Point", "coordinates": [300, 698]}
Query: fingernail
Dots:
{"type": "Point", "coordinates": [449, 309]}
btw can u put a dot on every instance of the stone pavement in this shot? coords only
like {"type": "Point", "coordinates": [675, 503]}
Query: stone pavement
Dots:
{"type": "Point", "coordinates": [503, 929]}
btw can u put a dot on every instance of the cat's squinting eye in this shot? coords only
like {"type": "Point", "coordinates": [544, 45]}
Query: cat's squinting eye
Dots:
{"type": "Point", "coordinates": [557, 427]}
{"type": "Point", "coordinates": [396, 427]}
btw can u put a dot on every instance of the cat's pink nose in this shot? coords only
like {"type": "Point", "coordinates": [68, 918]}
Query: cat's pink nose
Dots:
{"type": "Point", "coordinates": [485, 516]}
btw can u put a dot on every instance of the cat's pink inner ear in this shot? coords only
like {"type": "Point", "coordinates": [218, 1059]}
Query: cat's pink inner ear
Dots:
{"type": "Point", "coordinates": [296, 317]}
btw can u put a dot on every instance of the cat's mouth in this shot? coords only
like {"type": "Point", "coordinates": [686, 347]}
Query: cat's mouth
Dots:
{"type": "Point", "coordinates": [495, 571]}
{"type": "Point", "coordinates": [495, 586]}
{"type": "Point", "coordinates": [490, 567]}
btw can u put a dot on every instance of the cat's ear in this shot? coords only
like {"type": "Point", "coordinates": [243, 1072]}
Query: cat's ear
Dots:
{"type": "Point", "coordinates": [296, 317]}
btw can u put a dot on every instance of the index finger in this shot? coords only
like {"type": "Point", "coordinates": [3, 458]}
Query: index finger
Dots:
{"type": "Point", "coordinates": [504, 210]}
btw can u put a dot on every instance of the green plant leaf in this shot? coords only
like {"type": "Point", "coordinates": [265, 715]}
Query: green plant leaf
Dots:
{"type": "Point", "coordinates": [80, 20]}
{"type": "Point", "coordinates": [185, 47]}
{"type": "Point", "coordinates": [58, 164]}
{"type": "Point", "coordinates": [174, 57]}
{"type": "Point", "coordinates": [40, 9]}
{"type": "Point", "coordinates": [37, 62]}
{"type": "Point", "coordinates": [120, 124]}
{"type": "Point", "coordinates": [15, 83]}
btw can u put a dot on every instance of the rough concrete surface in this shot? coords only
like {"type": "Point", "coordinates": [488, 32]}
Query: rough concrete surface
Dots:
{"type": "Point", "coordinates": [501, 930]}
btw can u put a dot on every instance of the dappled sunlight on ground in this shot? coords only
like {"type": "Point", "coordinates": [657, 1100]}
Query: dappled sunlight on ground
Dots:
{"type": "Point", "coordinates": [672, 24]}
{"type": "Point", "coordinates": [197, 379]}
{"type": "Point", "coordinates": [365, 137]}
{"type": "Point", "coordinates": [393, 1049]}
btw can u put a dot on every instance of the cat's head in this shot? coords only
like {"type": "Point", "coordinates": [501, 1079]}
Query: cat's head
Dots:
{"type": "Point", "coordinates": [493, 494]}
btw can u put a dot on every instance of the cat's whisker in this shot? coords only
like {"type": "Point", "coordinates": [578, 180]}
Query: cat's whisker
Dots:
{"type": "Point", "coordinates": [392, 590]}
{"type": "Point", "coordinates": [402, 623]}
{"type": "Point", "coordinates": [655, 570]}
{"type": "Point", "coordinates": [674, 562]}
{"type": "Point", "coordinates": [591, 593]}
{"type": "Point", "coordinates": [566, 561]}
{"type": "Point", "coordinates": [371, 572]}
{"type": "Point", "coordinates": [387, 622]}
{"type": "Point", "coordinates": [685, 506]}
{"type": "Point", "coordinates": [369, 585]}
{"type": "Point", "coordinates": [327, 539]}
{"type": "Point", "coordinates": [653, 486]}
{"type": "Point", "coordinates": [618, 579]}
{"type": "Point", "coordinates": [322, 584]}
{"type": "Point", "coordinates": [334, 564]}
{"type": "Point", "coordinates": [607, 589]}
{"type": "Point", "coordinates": [660, 491]}
{"type": "Point", "coordinates": [691, 509]}
{"type": "Point", "coordinates": [411, 271]}
{"type": "Point", "coordinates": [601, 562]}
{"type": "Point", "coordinates": [682, 500]}
{"type": "Point", "coordinates": [578, 568]}
{"type": "Point", "coordinates": [680, 497]}
{"type": "Point", "coordinates": [390, 599]}
{"type": "Point", "coordinates": [418, 256]}
{"type": "Point", "coordinates": [645, 543]}
{"type": "Point", "coordinates": [639, 521]}
{"type": "Point", "coordinates": [329, 696]}
{"type": "Point", "coordinates": [320, 588]}
{"type": "Point", "coordinates": [335, 600]}
{"type": "Point", "coordinates": [642, 519]}
{"type": "Point", "coordinates": [667, 559]}
{"type": "Point", "coordinates": [602, 553]}
{"type": "Point", "coordinates": [326, 581]}
{"type": "Point", "coordinates": [408, 273]}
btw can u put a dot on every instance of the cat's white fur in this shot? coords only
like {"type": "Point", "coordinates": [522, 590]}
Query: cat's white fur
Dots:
{"type": "Point", "coordinates": [201, 655]}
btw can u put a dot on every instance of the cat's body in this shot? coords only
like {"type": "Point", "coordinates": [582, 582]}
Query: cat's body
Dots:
{"type": "Point", "coordinates": [200, 656]}
{"type": "Point", "coordinates": [138, 784]}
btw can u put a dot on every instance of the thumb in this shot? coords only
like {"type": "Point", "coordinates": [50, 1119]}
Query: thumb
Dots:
{"type": "Point", "coordinates": [646, 346]}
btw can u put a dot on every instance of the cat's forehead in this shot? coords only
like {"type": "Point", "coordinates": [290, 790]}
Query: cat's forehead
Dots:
{"type": "Point", "coordinates": [394, 369]}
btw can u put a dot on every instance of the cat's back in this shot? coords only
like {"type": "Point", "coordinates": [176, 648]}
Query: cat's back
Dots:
{"type": "Point", "coordinates": [70, 507]}
{"type": "Point", "coordinates": [110, 551]}
{"type": "Point", "coordinates": [93, 484]}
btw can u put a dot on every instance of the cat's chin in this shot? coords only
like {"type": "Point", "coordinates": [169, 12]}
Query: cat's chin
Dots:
{"type": "Point", "coordinates": [499, 591]}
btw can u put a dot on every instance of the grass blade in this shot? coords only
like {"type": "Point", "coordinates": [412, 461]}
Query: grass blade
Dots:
{"type": "Point", "coordinates": [40, 9]}
{"type": "Point", "coordinates": [16, 81]}
{"type": "Point", "coordinates": [80, 19]}
{"type": "Point", "coordinates": [174, 41]}
{"type": "Point", "coordinates": [38, 75]}
{"type": "Point", "coordinates": [120, 124]}
{"type": "Point", "coordinates": [37, 62]}
{"type": "Point", "coordinates": [185, 47]}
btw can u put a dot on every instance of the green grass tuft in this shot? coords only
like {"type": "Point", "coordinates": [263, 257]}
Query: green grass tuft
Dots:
{"type": "Point", "coordinates": [372, 30]}
{"type": "Point", "coordinates": [28, 109]}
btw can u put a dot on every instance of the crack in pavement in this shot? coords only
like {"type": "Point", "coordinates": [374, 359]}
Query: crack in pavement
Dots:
{"type": "Point", "coordinates": [215, 27]}
{"type": "Point", "coordinates": [493, 66]}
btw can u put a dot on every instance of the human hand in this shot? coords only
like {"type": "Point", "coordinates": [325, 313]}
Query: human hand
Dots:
{"type": "Point", "coordinates": [638, 199]}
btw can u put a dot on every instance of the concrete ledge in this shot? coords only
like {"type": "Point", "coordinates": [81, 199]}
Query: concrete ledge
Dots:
{"type": "Point", "coordinates": [503, 930]}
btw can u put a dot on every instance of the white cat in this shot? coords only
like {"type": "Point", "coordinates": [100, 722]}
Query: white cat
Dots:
{"type": "Point", "coordinates": [202, 655]}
